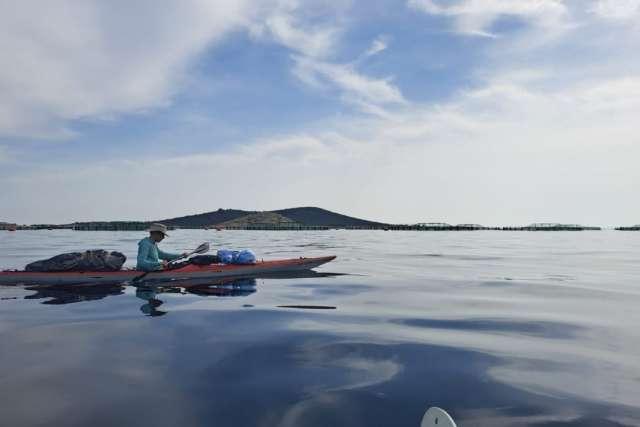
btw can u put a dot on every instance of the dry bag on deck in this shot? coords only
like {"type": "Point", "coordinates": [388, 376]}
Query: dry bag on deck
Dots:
{"type": "Point", "coordinates": [244, 256]}
{"type": "Point", "coordinates": [94, 260]}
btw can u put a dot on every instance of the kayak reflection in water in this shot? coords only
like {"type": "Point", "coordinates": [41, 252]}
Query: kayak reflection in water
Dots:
{"type": "Point", "coordinates": [149, 255]}
{"type": "Point", "coordinates": [61, 294]}
{"type": "Point", "coordinates": [222, 288]}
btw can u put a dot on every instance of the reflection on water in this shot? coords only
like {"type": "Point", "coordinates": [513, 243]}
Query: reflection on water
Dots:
{"type": "Point", "coordinates": [488, 326]}
{"type": "Point", "coordinates": [151, 292]}
{"type": "Point", "coordinates": [67, 294]}
{"type": "Point", "coordinates": [544, 329]}
{"type": "Point", "coordinates": [220, 288]}
{"type": "Point", "coordinates": [310, 307]}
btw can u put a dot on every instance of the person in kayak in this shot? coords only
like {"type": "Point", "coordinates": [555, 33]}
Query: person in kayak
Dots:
{"type": "Point", "coordinates": [149, 255]}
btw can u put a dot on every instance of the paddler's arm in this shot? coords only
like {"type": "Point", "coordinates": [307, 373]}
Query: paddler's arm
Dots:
{"type": "Point", "coordinates": [144, 263]}
{"type": "Point", "coordinates": [167, 256]}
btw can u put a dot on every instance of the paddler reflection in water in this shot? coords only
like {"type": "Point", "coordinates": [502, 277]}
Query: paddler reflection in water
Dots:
{"type": "Point", "coordinates": [149, 255]}
{"type": "Point", "coordinates": [152, 303]}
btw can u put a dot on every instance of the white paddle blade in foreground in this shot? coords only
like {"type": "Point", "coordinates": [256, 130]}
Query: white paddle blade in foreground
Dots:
{"type": "Point", "coordinates": [436, 417]}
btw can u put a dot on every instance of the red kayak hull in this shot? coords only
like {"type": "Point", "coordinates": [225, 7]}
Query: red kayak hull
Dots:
{"type": "Point", "coordinates": [187, 272]}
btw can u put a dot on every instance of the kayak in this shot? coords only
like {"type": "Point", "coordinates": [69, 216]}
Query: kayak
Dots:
{"type": "Point", "coordinates": [188, 272]}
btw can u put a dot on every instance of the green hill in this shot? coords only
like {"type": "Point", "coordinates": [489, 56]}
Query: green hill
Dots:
{"type": "Point", "coordinates": [309, 216]}
{"type": "Point", "coordinates": [205, 219]}
{"type": "Point", "coordinates": [303, 216]}
{"type": "Point", "coordinates": [313, 216]}
{"type": "Point", "coordinates": [259, 219]}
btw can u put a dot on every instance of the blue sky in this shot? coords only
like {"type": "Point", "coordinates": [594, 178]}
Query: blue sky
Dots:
{"type": "Point", "coordinates": [491, 111]}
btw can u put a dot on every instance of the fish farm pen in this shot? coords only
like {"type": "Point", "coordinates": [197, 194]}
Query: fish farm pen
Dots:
{"type": "Point", "coordinates": [15, 227]}
{"type": "Point", "coordinates": [545, 226]}
{"type": "Point", "coordinates": [111, 226]}
{"type": "Point", "coordinates": [441, 226]}
{"type": "Point", "coordinates": [428, 226]}
{"type": "Point", "coordinates": [632, 228]}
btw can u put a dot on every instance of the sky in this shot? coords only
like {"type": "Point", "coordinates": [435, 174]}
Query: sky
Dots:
{"type": "Point", "coordinates": [498, 112]}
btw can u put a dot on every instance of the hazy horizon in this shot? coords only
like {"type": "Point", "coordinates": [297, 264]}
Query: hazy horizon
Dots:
{"type": "Point", "coordinates": [498, 113]}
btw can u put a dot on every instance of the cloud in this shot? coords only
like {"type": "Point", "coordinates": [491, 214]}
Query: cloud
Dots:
{"type": "Point", "coordinates": [369, 94]}
{"type": "Point", "coordinates": [315, 43]}
{"type": "Point", "coordinates": [617, 9]}
{"type": "Point", "coordinates": [65, 61]}
{"type": "Point", "coordinates": [377, 45]}
{"type": "Point", "coordinates": [562, 117]}
{"type": "Point", "coordinates": [286, 25]}
{"type": "Point", "coordinates": [476, 17]}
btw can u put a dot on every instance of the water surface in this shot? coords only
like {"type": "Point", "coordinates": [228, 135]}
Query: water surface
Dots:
{"type": "Point", "coordinates": [498, 328]}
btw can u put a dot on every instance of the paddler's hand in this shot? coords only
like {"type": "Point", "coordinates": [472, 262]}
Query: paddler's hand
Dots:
{"type": "Point", "coordinates": [165, 264]}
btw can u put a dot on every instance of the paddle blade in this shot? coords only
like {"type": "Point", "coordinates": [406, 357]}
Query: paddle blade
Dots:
{"type": "Point", "coordinates": [203, 248]}
{"type": "Point", "coordinates": [436, 417]}
{"type": "Point", "coordinates": [199, 250]}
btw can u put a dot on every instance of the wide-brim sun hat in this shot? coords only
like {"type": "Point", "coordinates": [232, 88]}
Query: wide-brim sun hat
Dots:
{"type": "Point", "coordinates": [158, 227]}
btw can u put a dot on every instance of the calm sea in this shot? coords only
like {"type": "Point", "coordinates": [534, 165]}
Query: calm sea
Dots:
{"type": "Point", "coordinates": [498, 328]}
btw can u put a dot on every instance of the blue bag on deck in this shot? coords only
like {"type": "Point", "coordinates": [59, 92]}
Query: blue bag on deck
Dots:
{"type": "Point", "coordinates": [225, 256]}
{"type": "Point", "coordinates": [244, 256]}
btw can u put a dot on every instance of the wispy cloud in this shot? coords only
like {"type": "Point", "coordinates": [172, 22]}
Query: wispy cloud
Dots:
{"type": "Point", "coordinates": [314, 44]}
{"type": "Point", "coordinates": [284, 25]}
{"type": "Point", "coordinates": [377, 45]}
{"type": "Point", "coordinates": [369, 94]}
{"type": "Point", "coordinates": [476, 17]}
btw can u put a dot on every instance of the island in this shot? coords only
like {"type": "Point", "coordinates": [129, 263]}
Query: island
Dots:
{"type": "Point", "coordinates": [299, 218]}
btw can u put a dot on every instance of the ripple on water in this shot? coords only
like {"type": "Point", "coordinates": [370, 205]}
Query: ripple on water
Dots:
{"type": "Point", "coordinates": [542, 328]}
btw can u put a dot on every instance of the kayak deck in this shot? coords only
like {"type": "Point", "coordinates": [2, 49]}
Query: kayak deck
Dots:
{"type": "Point", "coordinates": [187, 272]}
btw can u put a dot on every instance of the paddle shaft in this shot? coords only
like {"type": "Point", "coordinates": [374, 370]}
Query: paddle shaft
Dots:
{"type": "Point", "coordinates": [187, 255]}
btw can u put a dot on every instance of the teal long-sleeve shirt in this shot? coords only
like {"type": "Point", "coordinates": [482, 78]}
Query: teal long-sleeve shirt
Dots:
{"type": "Point", "coordinates": [149, 255]}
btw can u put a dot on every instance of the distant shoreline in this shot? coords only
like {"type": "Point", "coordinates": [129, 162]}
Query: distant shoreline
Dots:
{"type": "Point", "coordinates": [327, 228]}
{"type": "Point", "coordinates": [308, 218]}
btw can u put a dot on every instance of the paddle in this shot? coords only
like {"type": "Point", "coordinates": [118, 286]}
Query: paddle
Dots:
{"type": "Point", "coordinates": [436, 416]}
{"type": "Point", "coordinates": [203, 248]}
